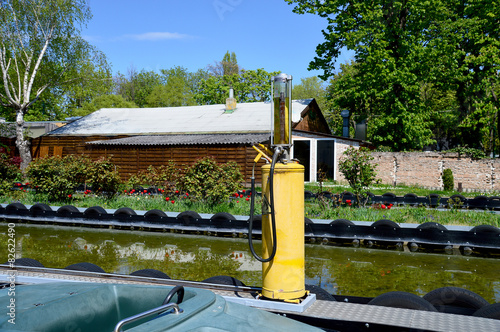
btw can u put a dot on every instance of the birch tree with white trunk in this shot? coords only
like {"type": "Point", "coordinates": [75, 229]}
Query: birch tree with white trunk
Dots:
{"type": "Point", "coordinates": [40, 48]}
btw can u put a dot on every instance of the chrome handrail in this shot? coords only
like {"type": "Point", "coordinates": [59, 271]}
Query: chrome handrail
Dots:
{"type": "Point", "coordinates": [153, 311]}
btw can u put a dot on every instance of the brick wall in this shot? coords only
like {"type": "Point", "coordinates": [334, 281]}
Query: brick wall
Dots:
{"type": "Point", "coordinates": [424, 169]}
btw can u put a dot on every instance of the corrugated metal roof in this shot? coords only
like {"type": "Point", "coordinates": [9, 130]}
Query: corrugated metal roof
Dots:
{"type": "Point", "coordinates": [204, 139]}
{"type": "Point", "coordinates": [247, 118]}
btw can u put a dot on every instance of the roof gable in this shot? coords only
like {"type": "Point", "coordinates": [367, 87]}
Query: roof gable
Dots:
{"type": "Point", "coordinates": [247, 118]}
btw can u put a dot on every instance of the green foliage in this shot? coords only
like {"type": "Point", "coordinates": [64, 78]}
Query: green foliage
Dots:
{"type": "Point", "coordinates": [358, 170]}
{"type": "Point", "coordinates": [164, 176]}
{"type": "Point", "coordinates": [448, 182]}
{"type": "Point", "coordinates": [103, 177]}
{"type": "Point", "coordinates": [104, 101]}
{"type": "Point", "coordinates": [57, 177]}
{"type": "Point", "coordinates": [311, 87]}
{"type": "Point", "coordinates": [249, 86]}
{"type": "Point", "coordinates": [227, 67]}
{"type": "Point", "coordinates": [207, 181]}
{"type": "Point", "coordinates": [43, 52]}
{"type": "Point", "coordinates": [137, 86]}
{"type": "Point", "coordinates": [421, 69]}
{"type": "Point", "coordinates": [9, 172]}
{"type": "Point", "coordinates": [468, 152]}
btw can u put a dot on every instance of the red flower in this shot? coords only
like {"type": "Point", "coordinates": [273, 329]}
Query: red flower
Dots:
{"type": "Point", "coordinates": [237, 201]}
{"type": "Point", "coordinates": [167, 198]}
{"type": "Point", "coordinates": [241, 195]}
{"type": "Point", "coordinates": [247, 199]}
{"type": "Point", "coordinates": [172, 201]}
{"type": "Point", "coordinates": [177, 191]}
{"type": "Point", "coordinates": [187, 194]}
{"type": "Point", "coordinates": [145, 191]}
{"type": "Point", "coordinates": [348, 201]}
{"type": "Point", "coordinates": [383, 206]}
{"type": "Point", "coordinates": [69, 196]}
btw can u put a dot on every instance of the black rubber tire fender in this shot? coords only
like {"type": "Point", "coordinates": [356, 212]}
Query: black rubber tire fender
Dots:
{"type": "Point", "coordinates": [15, 207]}
{"type": "Point", "coordinates": [188, 217]}
{"type": "Point", "coordinates": [224, 280]}
{"type": "Point", "coordinates": [257, 221]}
{"type": "Point", "coordinates": [40, 207]}
{"type": "Point", "coordinates": [27, 262]}
{"type": "Point", "coordinates": [154, 214]}
{"type": "Point", "coordinates": [94, 210]}
{"type": "Point", "coordinates": [85, 266]}
{"type": "Point", "coordinates": [66, 210]}
{"type": "Point", "coordinates": [485, 229]}
{"type": "Point", "coordinates": [460, 197]}
{"type": "Point", "coordinates": [456, 296]}
{"type": "Point", "coordinates": [222, 217]}
{"type": "Point", "coordinates": [404, 300]}
{"type": "Point", "coordinates": [385, 223]}
{"type": "Point", "coordinates": [150, 273]}
{"type": "Point", "coordinates": [125, 211]}
{"type": "Point", "coordinates": [389, 195]}
{"type": "Point", "coordinates": [489, 311]}
{"type": "Point", "coordinates": [321, 294]}
{"type": "Point", "coordinates": [343, 222]}
{"type": "Point", "coordinates": [432, 225]}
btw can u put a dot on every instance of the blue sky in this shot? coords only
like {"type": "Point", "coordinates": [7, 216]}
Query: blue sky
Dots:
{"type": "Point", "coordinates": [160, 34]}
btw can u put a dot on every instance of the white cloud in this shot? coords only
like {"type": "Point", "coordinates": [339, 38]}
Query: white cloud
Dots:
{"type": "Point", "coordinates": [157, 36]}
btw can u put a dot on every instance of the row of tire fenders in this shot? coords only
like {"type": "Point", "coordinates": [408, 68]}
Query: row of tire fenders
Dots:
{"type": "Point", "coordinates": [454, 300]}
{"type": "Point", "coordinates": [339, 231]}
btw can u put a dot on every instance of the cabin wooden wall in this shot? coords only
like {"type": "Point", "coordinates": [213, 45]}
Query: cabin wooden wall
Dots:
{"type": "Point", "coordinates": [132, 158]}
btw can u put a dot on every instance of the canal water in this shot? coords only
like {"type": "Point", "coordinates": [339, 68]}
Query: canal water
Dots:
{"type": "Point", "coordinates": [339, 270]}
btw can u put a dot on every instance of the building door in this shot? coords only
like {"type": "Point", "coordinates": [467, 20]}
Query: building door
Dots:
{"type": "Point", "coordinates": [302, 152]}
{"type": "Point", "coordinates": [326, 159]}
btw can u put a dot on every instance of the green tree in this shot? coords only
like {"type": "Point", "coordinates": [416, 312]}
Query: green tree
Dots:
{"type": "Point", "coordinates": [104, 101]}
{"type": "Point", "coordinates": [227, 67]}
{"type": "Point", "coordinates": [466, 60]}
{"type": "Point", "coordinates": [402, 48]}
{"type": "Point", "coordinates": [40, 47]}
{"type": "Point", "coordinates": [389, 49]}
{"type": "Point", "coordinates": [357, 168]}
{"type": "Point", "coordinates": [177, 91]}
{"type": "Point", "coordinates": [137, 86]}
{"type": "Point", "coordinates": [310, 87]}
{"type": "Point", "coordinates": [249, 86]}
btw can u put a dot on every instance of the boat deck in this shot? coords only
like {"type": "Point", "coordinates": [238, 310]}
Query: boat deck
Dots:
{"type": "Point", "coordinates": [332, 315]}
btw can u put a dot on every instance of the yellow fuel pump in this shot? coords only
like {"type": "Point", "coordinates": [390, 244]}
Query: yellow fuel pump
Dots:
{"type": "Point", "coordinates": [283, 275]}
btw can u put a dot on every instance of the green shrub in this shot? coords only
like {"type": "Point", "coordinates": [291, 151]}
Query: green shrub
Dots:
{"type": "Point", "coordinates": [103, 177]}
{"type": "Point", "coordinates": [206, 181]}
{"type": "Point", "coordinates": [472, 153]}
{"type": "Point", "coordinates": [57, 177]}
{"type": "Point", "coordinates": [448, 183]}
{"type": "Point", "coordinates": [358, 170]}
{"type": "Point", "coordinates": [9, 172]}
{"type": "Point", "coordinates": [164, 176]}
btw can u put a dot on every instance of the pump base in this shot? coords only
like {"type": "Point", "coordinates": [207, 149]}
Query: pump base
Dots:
{"type": "Point", "coordinates": [274, 305]}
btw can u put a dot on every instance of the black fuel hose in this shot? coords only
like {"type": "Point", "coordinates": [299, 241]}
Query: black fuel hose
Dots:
{"type": "Point", "coordinates": [271, 208]}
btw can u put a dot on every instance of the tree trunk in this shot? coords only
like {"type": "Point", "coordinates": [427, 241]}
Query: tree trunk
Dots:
{"type": "Point", "coordinates": [23, 143]}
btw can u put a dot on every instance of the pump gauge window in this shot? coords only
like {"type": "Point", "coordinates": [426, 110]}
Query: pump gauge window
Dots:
{"type": "Point", "coordinates": [282, 110]}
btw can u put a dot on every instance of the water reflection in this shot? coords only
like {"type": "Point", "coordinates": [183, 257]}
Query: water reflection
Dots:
{"type": "Point", "coordinates": [346, 271]}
